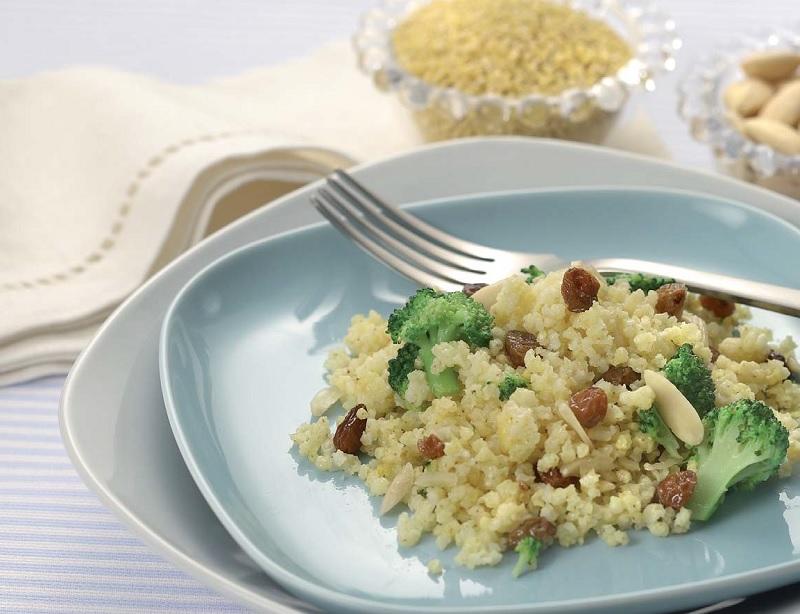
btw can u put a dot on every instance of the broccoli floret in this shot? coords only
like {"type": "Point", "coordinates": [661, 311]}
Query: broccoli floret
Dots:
{"type": "Point", "coordinates": [651, 424]}
{"type": "Point", "coordinates": [528, 550]}
{"type": "Point", "coordinates": [430, 317]}
{"type": "Point", "coordinates": [744, 444]}
{"type": "Point", "coordinates": [638, 281]}
{"type": "Point", "coordinates": [401, 366]}
{"type": "Point", "coordinates": [532, 271]}
{"type": "Point", "coordinates": [510, 383]}
{"type": "Point", "coordinates": [691, 376]}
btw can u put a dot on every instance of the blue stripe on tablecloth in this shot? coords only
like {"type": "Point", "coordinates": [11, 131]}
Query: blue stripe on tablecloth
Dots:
{"type": "Point", "coordinates": [121, 583]}
{"type": "Point", "coordinates": [33, 464]}
{"type": "Point", "coordinates": [26, 451]}
{"type": "Point", "coordinates": [12, 452]}
{"type": "Point", "coordinates": [10, 423]}
{"type": "Point", "coordinates": [41, 493]}
{"type": "Point", "coordinates": [93, 555]}
{"type": "Point", "coordinates": [30, 437]}
{"type": "Point", "coordinates": [35, 506]}
{"type": "Point", "coordinates": [56, 520]}
{"type": "Point", "coordinates": [62, 476]}
{"type": "Point", "coordinates": [134, 603]}
{"type": "Point", "coordinates": [39, 408]}
{"type": "Point", "coordinates": [71, 538]}
{"type": "Point", "coordinates": [60, 549]}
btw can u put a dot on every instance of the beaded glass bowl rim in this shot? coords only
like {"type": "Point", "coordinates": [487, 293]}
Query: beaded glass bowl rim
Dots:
{"type": "Point", "coordinates": [700, 101]}
{"type": "Point", "coordinates": [650, 32]}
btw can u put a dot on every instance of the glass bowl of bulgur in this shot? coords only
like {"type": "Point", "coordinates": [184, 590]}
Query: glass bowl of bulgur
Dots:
{"type": "Point", "coordinates": [529, 67]}
{"type": "Point", "coordinates": [729, 97]}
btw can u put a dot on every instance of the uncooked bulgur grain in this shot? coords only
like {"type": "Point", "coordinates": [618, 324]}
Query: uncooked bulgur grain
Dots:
{"type": "Point", "coordinates": [507, 47]}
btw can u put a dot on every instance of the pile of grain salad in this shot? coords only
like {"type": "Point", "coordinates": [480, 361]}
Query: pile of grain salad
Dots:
{"type": "Point", "coordinates": [547, 407]}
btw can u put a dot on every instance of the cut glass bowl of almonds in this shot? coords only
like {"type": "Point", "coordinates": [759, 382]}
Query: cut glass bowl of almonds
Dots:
{"type": "Point", "coordinates": [532, 67]}
{"type": "Point", "coordinates": [745, 102]}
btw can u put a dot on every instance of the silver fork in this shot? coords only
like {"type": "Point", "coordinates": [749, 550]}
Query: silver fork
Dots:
{"type": "Point", "coordinates": [434, 258]}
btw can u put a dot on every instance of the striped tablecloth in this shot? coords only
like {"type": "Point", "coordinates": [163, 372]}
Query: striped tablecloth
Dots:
{"type": "Point", "coordinates": [60, 549]}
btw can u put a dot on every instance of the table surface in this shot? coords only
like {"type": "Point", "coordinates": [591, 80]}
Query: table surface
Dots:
{"type": "Point", "coordinates": [60, 549]}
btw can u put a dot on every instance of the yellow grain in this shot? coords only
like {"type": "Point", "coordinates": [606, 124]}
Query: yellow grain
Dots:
{"type": "Point", "coordinates": [507, 47]}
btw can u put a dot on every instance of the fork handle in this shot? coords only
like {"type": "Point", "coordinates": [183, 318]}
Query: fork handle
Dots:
{"type": "Point", "coordinates": [767, 296]}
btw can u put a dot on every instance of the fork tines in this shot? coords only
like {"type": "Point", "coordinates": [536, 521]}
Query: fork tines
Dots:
{"type": "Point", "coordinates": [402, 241]}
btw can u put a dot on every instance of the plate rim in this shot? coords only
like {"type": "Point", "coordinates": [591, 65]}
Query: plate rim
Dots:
{"type": "Point", "coordinates": [301, 587]}
{"type": "Point", "coordinates": [529, 148]}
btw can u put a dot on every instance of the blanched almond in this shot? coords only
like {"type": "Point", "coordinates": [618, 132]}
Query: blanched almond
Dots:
{"type": "Point", "coordinates": [324, 400]}
{"type": "Point", "coordinates": [398, 489]}
{"type": "Point", "coordinates": [785, 105]}
{"type": "Point", "coordinates": [676, 411]}
{"type": "Point", "coordinates": [566, 414]}
{"type": "Point", "coordinates": [771, 65]}
{"type": "Point", "coordinates": [777, 135]}
{"type": "Point", "coordinates": [488, 295]}
{"type": "Point", "coordinates": [746, 97]}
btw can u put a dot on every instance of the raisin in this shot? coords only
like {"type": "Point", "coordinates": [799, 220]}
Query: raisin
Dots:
{"type": "Point", "coordinates": [717, 306]}
{"type": "Point", "coordinates": [589, 406]}
{"type": "Point", "coordinates": [347, 437]}
{"type": "Point", "coordinates": [517, 344]}
{"type": "Point", "coordinates": [555, 478]}
{"type": "Point", "coordinates": [431, 447]}
{"type": "Point", "coordinates": [470, 289]}
{"type": "Point", "coordinates": [537, 527]}
{"type": "Point", "coordinates": [676, 489]}
{"type": "Point", "coordinates": [579, 289]}
{"type": "Point", "coordinates": [619, 376]}
{"type": "Point", "coordinates": [671, 298]}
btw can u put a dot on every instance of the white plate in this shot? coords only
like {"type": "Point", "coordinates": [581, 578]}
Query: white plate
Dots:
{"type": "Point", "coordinates": [112, 414]}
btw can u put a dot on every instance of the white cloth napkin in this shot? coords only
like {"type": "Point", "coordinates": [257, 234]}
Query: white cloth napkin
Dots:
{"type": "Point", "coordinates": [107, 176]}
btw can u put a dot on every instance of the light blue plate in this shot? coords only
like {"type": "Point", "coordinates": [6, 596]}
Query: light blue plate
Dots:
{"type": "Point", "coordinates": [241, 355]}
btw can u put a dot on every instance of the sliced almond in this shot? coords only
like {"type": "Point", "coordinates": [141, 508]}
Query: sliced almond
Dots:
{"type": "Point", "coordinates": [487, 296]}
{"type": "Point", "coordinates": [771, 65]}
{"type": "Point", "coordinates": [398, 489]}
{"type": "Point", "coordinates": [746, 97]}
{"type": "Point", "coordinates": [676, 411]}
{"type": "Point", "coordinates": [777, 135]}
{"type": "Point", "coordinates": [569, 417]}
{"type": "Point", "coordinates": [324, 400]}
{"type": "Point", "coordinates": [785, 105]}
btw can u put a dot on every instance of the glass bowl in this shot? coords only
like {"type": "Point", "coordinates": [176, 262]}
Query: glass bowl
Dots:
{"type": "Point", "coordinates": [700, 104]}
{"type": "Point", "coordinates": [579, 114]}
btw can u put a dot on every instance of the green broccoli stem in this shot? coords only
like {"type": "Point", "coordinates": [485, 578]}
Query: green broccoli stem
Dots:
{"type": "Point", "coordinates": [443, 384]}
{"type": "Point", "coordinates": [716, 471]}
{"type": "Point", "coordinates": [528, 559]}
{"type": "Point", "coordinates": [651, 424]}
{"type": "Point", "coordinates": [521, 566]}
